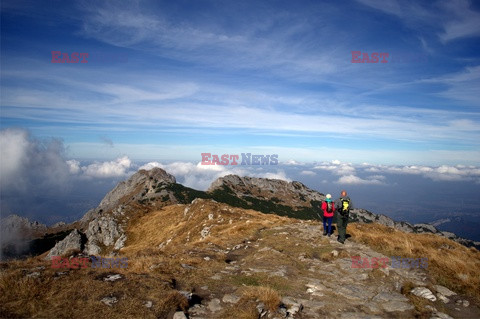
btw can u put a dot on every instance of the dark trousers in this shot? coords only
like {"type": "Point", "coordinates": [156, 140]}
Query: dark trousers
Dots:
{"type": "Point", "coordinates": [342, 227]}
{"type": "Point", "coordinates": [329, 221]}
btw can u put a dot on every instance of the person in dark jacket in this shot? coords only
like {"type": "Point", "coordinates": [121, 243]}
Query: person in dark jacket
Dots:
{"type": "Point", "coordinates": [328, 208]}
{"type": "Point", "coordinates": [343, 206]}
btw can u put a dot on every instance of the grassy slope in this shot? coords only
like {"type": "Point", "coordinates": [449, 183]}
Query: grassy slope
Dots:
{"type": "Point", "coordinates": [157, 274]}
{"type": "Point", "coordinates": [153, 274]}
{"type": "Point", "coordinates": [451, 264]}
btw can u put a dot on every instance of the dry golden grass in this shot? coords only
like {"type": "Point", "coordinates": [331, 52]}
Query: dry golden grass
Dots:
{"type": "Point", "coordinates": [270, 297]}
{"type": "Point", "coordinates": [451, 264]}
{"type": "Point", "coordinates": [79, 293]}
{"type": "Point", "coordinates": [179, 231]}
{"type": "Point", "coordinates": [166, 253]}
{"type": "Point", "coordinates": [246, 307]}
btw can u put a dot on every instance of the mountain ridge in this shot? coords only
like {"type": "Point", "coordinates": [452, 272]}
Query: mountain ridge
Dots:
{"type": "Point", "coordinates": [104, 226]}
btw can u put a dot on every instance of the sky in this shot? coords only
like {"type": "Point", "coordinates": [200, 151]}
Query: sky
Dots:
{"type": "Point", "coordinates": [165, 81]}
{"type": "Point", "coordinates": [169, 80]}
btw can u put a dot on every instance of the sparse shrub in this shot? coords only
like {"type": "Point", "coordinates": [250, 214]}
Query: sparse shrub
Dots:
{"type": "Point", "coordinates": [172, 302]}
{"type": "Point", "coordinates": [269, 297]}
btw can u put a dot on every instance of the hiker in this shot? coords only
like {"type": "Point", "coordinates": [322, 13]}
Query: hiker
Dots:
{"type": "Point", "coordinates": [343, 206]}
{"type": "Point", "coordinates": [328, 207]}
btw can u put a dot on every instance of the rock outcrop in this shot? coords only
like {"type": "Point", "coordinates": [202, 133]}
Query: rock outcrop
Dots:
{"type": "Point", "coordinates": [103, 231]}
{"type": "Point", "coordinates": [71, 243]}
{"type": "Point", "coordinates": [293, 194]}
{"type": "Point", "coordinates": [104, 226]}
{"type": "Point", "coordinates": [141, 186]}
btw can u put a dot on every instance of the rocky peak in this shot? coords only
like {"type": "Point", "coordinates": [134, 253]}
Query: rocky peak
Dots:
{"type": "Point", "coordinates": [293, 194]}
{"type": "Point", "coordinates": [104, 225]}
{"type": "Point", "coordinates": [143, 184]}
{"type": "Point", "coordinates": [17, 222]}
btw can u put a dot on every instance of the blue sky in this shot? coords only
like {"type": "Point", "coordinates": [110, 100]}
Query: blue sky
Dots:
{"type": "Point", "coordinates": [168, 80]}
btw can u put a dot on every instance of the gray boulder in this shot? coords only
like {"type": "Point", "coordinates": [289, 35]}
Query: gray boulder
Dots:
{"type": "Point", "coordinates": [72, 242]}
{"type": "Point", "coordinates": [424, 293]}
{"type": "Point", "coordinates": [425, 228]}
{"type": "Point", "coordinates": [104, 231]}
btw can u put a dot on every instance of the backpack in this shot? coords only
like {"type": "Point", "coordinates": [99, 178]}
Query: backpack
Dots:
{"type": "Point", "coordinates": [329, 207]}
{"type": "Point", "coordinates": [345, 209]}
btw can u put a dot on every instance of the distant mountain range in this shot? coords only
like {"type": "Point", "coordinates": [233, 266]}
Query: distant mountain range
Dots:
{"type": "Point", "coordinates": [464, 226]}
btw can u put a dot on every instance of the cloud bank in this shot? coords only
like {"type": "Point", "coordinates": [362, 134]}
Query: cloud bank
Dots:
{"type": "Point", "coordinates": [374, 174]}
{"type": "Point", "coordinates": [30, 165]}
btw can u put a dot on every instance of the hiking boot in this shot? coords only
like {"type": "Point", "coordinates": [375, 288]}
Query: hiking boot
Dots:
{"type": "Point", "coordinates": [329, 234]}
{"type": "Point", "coordinates": [324, 233]}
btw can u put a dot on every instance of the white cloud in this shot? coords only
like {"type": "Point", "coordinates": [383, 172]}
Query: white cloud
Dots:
{"type": "Point", "coordinates": [277, 175]}
{"type": "Point", "coordinates": [150, 165]}
{"type": "Point", "coordinates": [291, 162]}
{"type": "Point", "coordinates": [352, 179]}
{"type": "Point", "coordinates": [464, 22]}
{"type": "Point", "coordinates": [119, 167]}
{"type": "Point", "coordinates": [462, 86]}
{"type": "Point", "coordinates": [337, 167]}
{"type": "Point", "coordinates": [455, 17]}
{"type": "Point", "coordinates": [354, 174]}
{"type": "Point", "coordinates": [74, 166]}
{"type": "Point", "coordinates": [308, 173]}
{"type": "Point", "coordinates": [14, 145]}
{"type": "Point", "coordinates": [30, 165]}
{"type": "Point", "coordinates": [436, 173]}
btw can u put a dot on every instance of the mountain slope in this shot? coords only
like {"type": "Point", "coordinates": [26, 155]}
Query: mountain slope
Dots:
{"type": "Point", "coordinates": [211, 260]}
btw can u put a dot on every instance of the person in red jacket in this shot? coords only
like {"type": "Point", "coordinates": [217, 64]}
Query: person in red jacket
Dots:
{"type": "Point", "coordinates": [328, 207]}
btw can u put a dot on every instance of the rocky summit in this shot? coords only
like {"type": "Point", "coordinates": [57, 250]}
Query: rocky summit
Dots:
{"type": "Point", "coordinates": [293, 194]}
{"type": "Point", "coordinates": [156, 249]}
